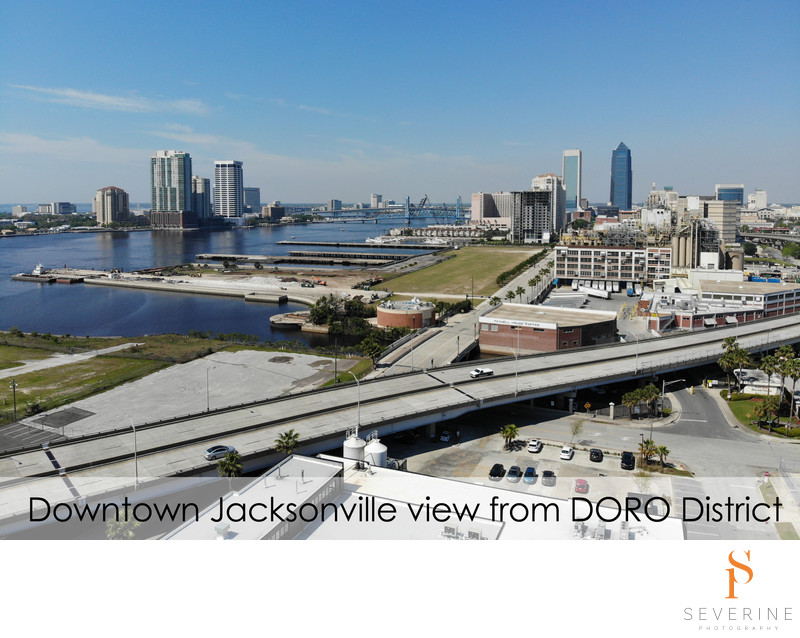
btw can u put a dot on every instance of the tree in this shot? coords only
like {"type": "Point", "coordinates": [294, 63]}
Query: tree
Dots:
{"type": "Point", "coordinates": [371, 348]}
{"type": "Point", "coordinates": [650, 394]}
{"type": "Point", "coordinates": [727, 363]}
{"type": "Point", "coordinates": [230, 466]}
{"type": "Point", "coordinates": [495, 301]}
{"type": "Point", "coordinates": [287, 441]}
{"type": "Point", "coordinates": [258, 265]}
{"type": "Point", "coordinates": [576, 427]}
{"type": "Point", "coordinates": [121, 529]}
{"type": "Point", "coordinates": [769, 365]}
{"type": "Point", "coordinates": [632, 399]}
{"type": "Point", "coordinates": [772, 408]}
{"type": "Point", "coordinates": [784, 356]}
{"type": "Point", "coordinates": [532, 282]}
{"type": "Point", "coordinates": [742, 359]}
{"type": "Point", "coordinates": [749, 249]}
{"type": "Point", "coordinates": [520, 291]}
{"type": "Point", "coordinates": [509, 433]}
{"type": "Point", "coordinates": [647, 449]}
{"type": "Point", "coordinates": [510, 294]}
{"type": "Point", "coordinates": [663, 452]}
{"type": "Point", "coordinates": [793, 372]}
{"type": "Point", "coordinates": [579, 223]}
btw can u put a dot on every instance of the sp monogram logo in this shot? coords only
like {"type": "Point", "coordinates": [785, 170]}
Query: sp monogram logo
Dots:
{"type": "Point", "coordinates": [731, 573]}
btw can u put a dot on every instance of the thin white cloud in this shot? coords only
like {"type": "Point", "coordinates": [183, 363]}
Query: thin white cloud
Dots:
{"type": "Point", "coordinates": [187, 135]}
{"type": "Point", "coordinates": [130, 104]}
{"type": "Point", "coordinates": [315, 109]}
{"type": "Point", "coordinates": [70, 149]}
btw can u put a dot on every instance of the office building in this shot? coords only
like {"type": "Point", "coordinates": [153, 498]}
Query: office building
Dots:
{"type": "Point", "coordinates": [273, 211]}
{"type": "Point", "coordinates": [538, 214]}
{"type": "Point", "coordinates": [228, 189]}
{"type": "Point", "coordinates": [334, 204]}
{"type": "Point", "coordinates": [201, 197]}
{"type": "Point", "coordinates": [757, 200]}
{"type": "Point", "coordinates": [62, 208]}
{"type": "Point", "coordinates": [111, 205]}
{"type": "Point", "coordinates": [375, 200]}
{"type": "Point", "coordinates": [171, 190]}
{"type": "Point", "coordinates": [730, 193]}
{"type": "Point", "coordinates": [19, 211]}
{"type": "Point", "coordinates": [725, 217]}
{"type": "Point", "coordinates": [621, 178]}
{"type": "Point", "coordinates": [571, 168]}
{"type": "Point", "coordinates": [252, 199]}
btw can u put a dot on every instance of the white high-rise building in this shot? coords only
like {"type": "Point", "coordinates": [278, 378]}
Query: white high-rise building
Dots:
{"type": "Point", "coordinates": [375, 200]}
{"type": "Point", "coordinates": [228, 189]}
{"type": "Point", "coordinates": [757, 200]}
{"type": "Point", "coordinates": [201, 196]}
{"type": "Point", "coordinates": [171, 182]}
{"type": "Point", "coordinates": [111, 205]}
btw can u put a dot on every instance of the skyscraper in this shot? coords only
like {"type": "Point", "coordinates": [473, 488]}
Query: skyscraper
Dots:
{"type": "Point", "coordinates": [730, 193]}
{"type": "Point", "coordinates": [621, 178]}
{"type": "Point", "coordinates": [201, 196]}
{"type": "Point", "coordinates": [571, 168]}
{"type": "Point", "coordinates": [171, 190]}
{"type": "Point", "coordinates": [252, 199]}
{"type": "Point", "coordinates": [111, 205]}
{"type": "Point", "coordinates": [228, 189]}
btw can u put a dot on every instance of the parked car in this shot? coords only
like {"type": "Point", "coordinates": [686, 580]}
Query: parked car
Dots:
{"type": "Point", "coordinates": [497, 472]}
{"type": "Point", "coordinates": [534, 445]}
{"type": "Point", "coordinates": [530, 475]}
{"type": "Point", "coordinates": [514, 474]}
{"type": "Point", "coordinates": [581, 486]}
{"type": "Point", "coordinates": [217, 452]}
{"type": "Point", "coordinates": [548, 478]}
{"type": "Point", "coordinates": [567, 453]}
{"type": "Point", "coordinates": [445, 438]}
{"type": "Point", "coordinates": [595, 455]}
{"type": "Point", "coordinates": [628, 461]}
{"type": "Point", "coordinates": [481, 372]}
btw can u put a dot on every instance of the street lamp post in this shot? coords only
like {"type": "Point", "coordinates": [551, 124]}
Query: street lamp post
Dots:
{"type": "Point", "coordinates": [641, 451]}
{"type": "Point", "coordinates": [358, 408]}
{"type": "Point", "coordinates": [516, 372]}
{"type": "Point", "coordinates": [135, 454]}
{"type": "Point", "coordinates": [664, 384]}
{"type": "Point", "coordinates": [13, 387]}
{"type": "Point", "coordinates": [208, 400]}
{"type": "Point", "coordinates": [458, 346]}
{"type": "Point", "coordinates": [637, 353]}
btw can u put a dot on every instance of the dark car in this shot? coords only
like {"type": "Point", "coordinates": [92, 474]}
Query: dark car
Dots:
{"type": "Point", "coordinates": [548, 478]}
{"type": "Point", "coordinates": [514, 474]}
{"type": "Point", "coordinates": [530, 476]}
{"type": "Point", "coordinates": [497, 472]}
{"type": "Point", "coordinates": [595, 455]}
{"type": "Point", "coordinates": [628, 461]}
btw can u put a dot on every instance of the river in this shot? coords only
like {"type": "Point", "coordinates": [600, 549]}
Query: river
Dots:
{"type": "Point", "coordinates": [102, 311]}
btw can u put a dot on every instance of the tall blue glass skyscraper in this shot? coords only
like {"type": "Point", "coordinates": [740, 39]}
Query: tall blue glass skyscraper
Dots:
{"type": "Point", "coordinates": [571, 174]}
{"type": "Point", "coordinates": [730, 193]}
{"type": "Point", "coordinates": [621, 178]}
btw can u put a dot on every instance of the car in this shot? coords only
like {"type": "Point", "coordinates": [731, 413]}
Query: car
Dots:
{"type": "Point", "coordinates": [530, 475]}
{"type": "Point", "coordinates": [567, 453]}
{"type": "Point", "coordinates": [628, 461]}
{"type": "Point", "coordinates": [595, 455]}
{"type": "Point", "coordinates": [497, 472]}
{"type": "Point", "coordinates": [534, 445]}
{"type": "Point", "coordinates": [514, 474]}
{"type": "Point", "coordinates": [481, 372]}
{"type": "Point", "coordinates": [548, 478]}
{"type": "Point", "coordinates": [218, 452]}
{"type": "Point", "coordinates": [581, 486]}
{"type": "Point", "coordinates": [445, 438]}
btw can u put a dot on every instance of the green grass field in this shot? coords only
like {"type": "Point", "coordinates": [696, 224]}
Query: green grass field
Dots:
{"type": "Point", "coordinates": [12, 357]}
{"type": "Point", "coordinates": [474, 268]}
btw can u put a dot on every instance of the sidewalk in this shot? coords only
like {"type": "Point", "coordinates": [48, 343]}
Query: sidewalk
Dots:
{"type": "Point", "coordinates": [59, 359]}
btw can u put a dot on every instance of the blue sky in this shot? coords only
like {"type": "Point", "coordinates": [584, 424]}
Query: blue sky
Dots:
{"type": "Point", "coordinates": [339, 100]}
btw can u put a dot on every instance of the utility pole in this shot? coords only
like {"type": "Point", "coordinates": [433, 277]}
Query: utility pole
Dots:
{"type": "Point", "coordinates": [13, 387]}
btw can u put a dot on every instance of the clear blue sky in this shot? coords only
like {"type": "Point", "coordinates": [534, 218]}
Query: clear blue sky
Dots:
{"type": "Point", "coordinates": [339, 100]}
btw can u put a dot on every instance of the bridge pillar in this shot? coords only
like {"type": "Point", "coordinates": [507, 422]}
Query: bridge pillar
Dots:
{"type": "Point", "coordinates": [571, 405]}
{"type": "Point", "coordinates": [611, 410]}
{"type": "Point", "coordinates": [431, 430]}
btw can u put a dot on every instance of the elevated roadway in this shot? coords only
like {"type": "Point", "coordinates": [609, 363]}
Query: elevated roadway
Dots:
{"type": "Point", "coordinates": [386, 405]}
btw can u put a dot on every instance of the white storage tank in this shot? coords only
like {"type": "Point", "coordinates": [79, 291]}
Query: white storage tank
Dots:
{"type": "Point", "coordinates": [354, 447]}
{"type": "Point", "coordinates": [375, 453]}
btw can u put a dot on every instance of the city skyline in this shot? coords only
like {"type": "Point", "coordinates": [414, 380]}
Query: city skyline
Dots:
{"type": "Point", "coordinates": [329, 106]}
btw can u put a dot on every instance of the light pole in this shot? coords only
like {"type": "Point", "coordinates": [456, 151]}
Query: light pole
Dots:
{"type": "Point", "coordinates": [458, 346]}
{"type": "Point", "coordinates": [641, 451]}
{"type": "Point", "coordinates": [135, 454]}
{"type": "Point", "coordinates": [516, 372]}
{"type": "Point", "coordinates": [13, 387]}
{"type": "Point", "coordinates": [208, 400]}
{"type": "Point", "coordinates": [664, 384]}
{"type": "Point", "coordinates": [358, 409]}
{"type": "Point", "coordinates": [637, 354]}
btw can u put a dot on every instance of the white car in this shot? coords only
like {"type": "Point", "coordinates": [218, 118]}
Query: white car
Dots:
{"type": "Point", "coordinates": [481, 372]}
{"type": "Point", "coordinates": [567, 453]}
{"type": "Point", "coordinates": [534, 445]}
{"type": "Point", "coordinates": [445, 438]}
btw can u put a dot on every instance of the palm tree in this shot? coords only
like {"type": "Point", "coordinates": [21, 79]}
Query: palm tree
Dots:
{"type": "Point", "coordinates": [532, 282]}
{"type": "Point", "coordinates": [121, 529]}
{"type": "Point", "coordinates": [729, 343]}
{"type": "Point", "coordinates": [509, 433]}
{"type": "Point", "coordinates": [646, 450]}
{"type": "Point", "coordinates": [663, 452]}
{"type": "Point", "coordinates": [230, 466]}
{"type": "Point", "coordinates": [631, 399]}
{"type": "Point", "coordinates": [793, 372]}
{"type": "Point", "coordinates": [727, 363]}
{"type": "Point", "coordinates": [769, 365]}
{"type": "Point", "coordinates": [650, 394]}
{"type": "Point", "coordinates": [772, 407]}
{"type": "Point", "coordinates": [510, 295]}
{"type": "Point", "coordinates": [495, 301]}
{"type": "Point", "coordinates": [784, 355]}
{"type": "Point", "coordinates": [287, 441]}
{"type": "Point", "coordinates": [742, 359]}
{"type": "Point", "coordinates": [520, 291]}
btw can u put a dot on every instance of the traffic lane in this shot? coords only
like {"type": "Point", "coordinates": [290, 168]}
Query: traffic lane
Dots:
{"type": "Point", "coordinates": [701, 416]}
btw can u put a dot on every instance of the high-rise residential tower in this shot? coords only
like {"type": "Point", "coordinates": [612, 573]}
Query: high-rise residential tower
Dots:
{"type": "Point", "coordinates": [571, 168]}
{"type": "Point", "coordinates": [621, 178]}
{"type": "Point", "coordinates": [111, 205]}
{"type": "Point", "coordinates": [201, 196]}
{"type": "Point", "coordinates": [171, 190]}
{"type": "Point", "coordinates": [730, 193]}
{"type": "Point", "coordinates": [228, 189]}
